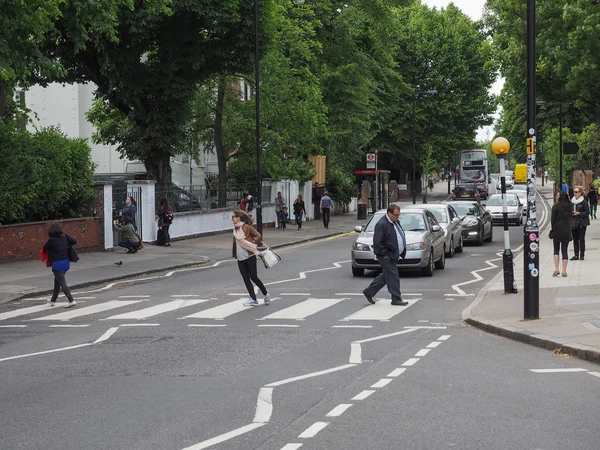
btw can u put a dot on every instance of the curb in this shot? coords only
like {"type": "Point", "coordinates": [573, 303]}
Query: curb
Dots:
{"type": "Point", "coordinates": [521, 335]}
{"type": "Point", "coordinates": [154, 271]}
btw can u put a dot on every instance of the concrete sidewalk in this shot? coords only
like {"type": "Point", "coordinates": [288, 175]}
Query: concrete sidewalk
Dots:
{"type": "Point", "coordinates": [569, 307]}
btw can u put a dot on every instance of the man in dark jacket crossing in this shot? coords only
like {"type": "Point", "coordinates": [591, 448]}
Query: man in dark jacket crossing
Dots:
{"type": "Point", "coordinates": [389, 244]}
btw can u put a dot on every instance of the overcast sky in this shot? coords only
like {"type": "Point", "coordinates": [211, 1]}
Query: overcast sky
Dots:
{"type": "Point", "coordinates": [474, 9]}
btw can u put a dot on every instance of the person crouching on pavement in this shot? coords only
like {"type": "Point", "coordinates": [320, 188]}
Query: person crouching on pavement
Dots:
{"type": "Point", "coordinates": [245, 250]}
{"type": "Point", "coordinates": [57, 250]}
{"type": "Point", "coordinates": [389, 244]}
{"type": "Point", "coordinates": [129, 240]}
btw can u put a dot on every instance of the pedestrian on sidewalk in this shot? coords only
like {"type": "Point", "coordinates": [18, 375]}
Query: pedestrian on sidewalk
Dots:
{"type": "Point", "coordinates": [580, 222]}
{"type": "Point", "coordinates": [57, 250]}
{"type": "Point", "coordinates": [165, 219]}
{"type": "Point", "coordinates": [593, 200]}
{"type": "Point", "coordinates": [130, 210]}
{"type": "Point", "coordinates": [245, 250]}
{"type": "Point", "coordinates": [279, 204]}
{"type": "Point", "coordinates": [284, 217]}
{"type": "Point", "coordinates": [560, 231]}
{"type": "Point", "coordinates": [326, 209]}
{"type": "Point", "coordinates": [389, 245]}
{"type": "Point", "coordinates": [129, 239]}
{"type": "Point", "coordinates": [299, 210]}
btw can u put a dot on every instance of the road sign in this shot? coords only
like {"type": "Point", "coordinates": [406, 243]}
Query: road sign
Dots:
{"type": "Point", "coordinates": [371, 159]}
{"type": "Point", "coordinates": [570, 148]}
{"type": "Point", "coordinates": [530, 146]}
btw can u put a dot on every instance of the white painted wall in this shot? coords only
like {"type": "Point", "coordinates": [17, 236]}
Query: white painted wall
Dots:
{"type": "Point", "coordinates": [108, 215]}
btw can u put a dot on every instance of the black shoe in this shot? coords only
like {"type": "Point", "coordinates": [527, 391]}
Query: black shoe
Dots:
{"type": "Point", "coordinates": [575, 258]}
{"type": "Point", "coordinates": [399, 303]}
{"type": "Point", "coordinates": [582, 258]}
{"type": "Point", "coordinates": [369, 298]}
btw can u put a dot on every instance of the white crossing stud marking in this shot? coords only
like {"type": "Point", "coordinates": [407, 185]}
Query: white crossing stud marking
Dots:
{"type": "Point", "coordinates": [291, 446]}
{"type": "Point", "coordinates": [410, 362]}
{"type": "Point", "coordinates": [304, 309]}
{"type": "Point", "coordinates": [156, 310]}
{"type": "Point", "coordinates": [88, 310]}
{"type": "Point", "coordinates": [422, 352]}
{"type": "Point", "coordinates": [382, 383]}
{"type": "Point", "coordinates": [382, 310]}
{"type": "Point", "coordinates": [297, 294]}
{"type": "Point", "coordinates": [274, 325]}
{"type": "Point", "coordinates": [352, 326]}
{"type": "Point", "coordinates": [222, 311]}
{"type": "Point", "coordinates": [396, 372]}
{"type": "Point", "coordinates": [134, 296]}
{"type": "Point", "coordinates": [445, 337]}
{"type": "Point", "coordinates": [68, 326]}
{"type": "Point", "coordinates": [364, 394]}
{"type": "Point", "coordinates": [28, 310]}
{"type": "Point", "coordinates": [206, 325]}
{"type": "Point", "coordinates": [434, 344]}
{"type": "Point", "coordinates": [313, 430]}
{"type": "Point", "coordinates": [595, 374]}
{"type": "Point", "coordinates": [558, 370]}
{"type": "Point", "coordinates": [338, 410]}
{"type": "Point", "coordinates": [13, 326]}
{"type": "Point", "coordinates": [185, 295]}
{"type": "Point", "coordinates": [140, 325]}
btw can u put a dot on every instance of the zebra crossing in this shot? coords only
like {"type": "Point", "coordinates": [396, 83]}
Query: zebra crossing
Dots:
{"type": "Point", "coordinates": [286, 308]}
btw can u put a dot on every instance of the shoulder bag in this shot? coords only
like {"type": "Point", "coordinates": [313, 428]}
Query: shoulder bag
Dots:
{"type": "Point", "coordinates": [269, 257]}
{"type": "Point", "coordinates": [73, 256]}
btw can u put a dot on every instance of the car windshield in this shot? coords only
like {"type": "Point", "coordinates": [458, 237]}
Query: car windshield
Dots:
{"type": "Point", "coordinates": [412, 222]}
{"type": "Point", "coordinates": [520, 187]}
{"type": "Point", "coordinates": [465, 209]}
{"type": "Point", "coordinates": [496, 200]}
{"type": "Point", "coordinates": [370, 228]}
{"type": "Point", "coordinates": [439, 214]}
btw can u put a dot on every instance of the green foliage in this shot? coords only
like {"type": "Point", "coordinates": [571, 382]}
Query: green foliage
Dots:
{"type": "Point", "coordinates": [45, 175]}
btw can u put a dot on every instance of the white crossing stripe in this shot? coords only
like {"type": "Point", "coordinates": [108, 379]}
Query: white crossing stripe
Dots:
{"type": "Point", "coordinates": [293, 446]}
{"type": "Point", "coordinates": [594, 374]}
{"type": "Point", "coordinates": [558, 370]}
{"type": "Point", "coordinates": [88, 310]}
{"type": "Point", "coordinates": [364, 394]}
{"type": "Point", "coordinates": [156, 310]}
{"type": "Point", "coordinates": [396, 372]}
{"type": "Point", "coordinates": [434, 344]}
{"type": "Point", "coordinates": [28, 310]}
{"type": "Point", "coordinates": [422, 352]}
{"type": "Point", "coordinates": [410, 362]}
{"type": "Point", "coordinates": [382, 310]}
{"type": "Point", "coordinates": [313, 430]}
{"type": "Point", "coordinates": [382, 383]}
{"type": "Point", "coordinates": [445, 337]}
{"type": "Point", "coordinates": [222, 311]}
{"type": "Point", "coordinates": [304, 309]}
{"type": "Point", "coordinates": [338, 410]}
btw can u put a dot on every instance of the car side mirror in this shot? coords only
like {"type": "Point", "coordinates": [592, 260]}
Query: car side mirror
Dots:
{"type": "Point", "coordinates": [358, 229]}
{"type": "Point", "coordinates": [436, 228]}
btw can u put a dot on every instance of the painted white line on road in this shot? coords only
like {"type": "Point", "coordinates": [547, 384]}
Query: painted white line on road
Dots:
{"type": "Point", "coordinates": [434, 344]}
{"type": "Point", "coordinates": [384, 336]}
{"type": "Point", "coordinates": [423, 321]}
{"type": "Point", "coordinates": [349, 294]}
{"type": "Point", "coordinates": [223, 311]}
{"type": "Point", "coordinates": [595, 374]}
{"type": "Point", "coordinates": [274, 325]}
{"type": "Point", "coordinates": [13, 326]}
{"type": "Point", "coordinates": [428, 328]}
{"type": "Point", "coordinates": [155, 310]}
{"type": "Point", "coordinates": [299, 294]}
{"type": "Point", "coordinates": [410, 362]}
{"type": "Point", "coordinates": [264, 405]}
{"type": "Point", "coordinates": [396, 372]}
{"type": "Point", "coordinates": [186, 295]}
{"type": "Point", "coordinates": [28, 310]}
{"type": "Point", "coordinates": [310, 375]}
{"type": "Point", "coordinates": [338, 410]}
{"type": "Point", "coordinates": [558, 370]}
{"type": "Point", "coordinates": [302, 275]}
{"type": "Point", "coordinates": [88, 310]}
{"type": "Point", "coordinates": [422, 352]}
{"type": "Point", "coordinates": [382, 310]}
{"type": "Point", "coordinates": [225, 436]}
{"type": "Point", "coordinates": [140, 325]}
{"type": "Point", "coordinates": [304, 309]}
{"type": "Point", "coordinates": [352, 326]}
{"type": "Point", "coordinates": [106, 335]}
{"type": "Point", "coordinates": [68, 326]}
{"type": "Point", "coordinates": [477, 277]}
{"type": "Point", "coordinates": [238, 295]}
{"type": "Point", "coordinates": [355, 353]}
{"type": "Point", "coordinates": [313, 430]}
{"type": "Point", "coordinates": [72, 347]}
{"type": "Point", "coordinates": [206, 325]}
{"type": "Point", "coordinates": [445, 337]}
{"type": "Point", "coordinates": [364, 394]}
{"type": "Point", "coordinates": [291, 446]}
{"type": "Point", "coordinates": [134, 296]}
{"type": "Point", "coordinates": [382, 383]}
{"type": "Point", "coordinates": [83, 298]}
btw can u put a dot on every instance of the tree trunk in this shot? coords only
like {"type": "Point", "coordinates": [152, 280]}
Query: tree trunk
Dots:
{"type": "Point", "coordinates": [219, 147]}
{"type": "Point", "coordinates": [3, 100]}
{"type": "Point", "coordinates": [159, 168]}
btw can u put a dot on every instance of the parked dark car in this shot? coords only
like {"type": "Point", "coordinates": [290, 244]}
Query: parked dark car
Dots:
{"type": "Point", "coordinates": [466, 191]}
{"type": "Point", "coordinates": [477, 222]}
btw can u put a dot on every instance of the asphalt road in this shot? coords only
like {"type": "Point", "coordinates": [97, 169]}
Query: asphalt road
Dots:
{"type": "Point", "coordinates": [180, 365]}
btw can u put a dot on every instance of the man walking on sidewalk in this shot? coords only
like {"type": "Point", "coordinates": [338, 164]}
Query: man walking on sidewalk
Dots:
{"type": "Point", "coordinates": [326, 209]}
{"type": "Point", "coordinates": [389, 244]}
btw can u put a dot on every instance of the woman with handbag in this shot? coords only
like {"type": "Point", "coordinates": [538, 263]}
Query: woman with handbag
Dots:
{"type": "Point", "coordinates": [560, 232]}
{"type": "Point", "coordinates": [165, 219]}
{"type": "Point", "coordinates": [580, 222]}
{"type": "Point", "coordinates": [245, 250]}
{"type": "Point", "coordinates": [57, 250]}
{"type": "Point", "coordinates": [299, 210]}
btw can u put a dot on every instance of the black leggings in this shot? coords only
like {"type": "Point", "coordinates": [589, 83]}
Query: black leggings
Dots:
{"type": "Point", "coordinates": [561, 247]}
{"type": "Point", "coordinates": [60, 282]}
{"type": "Point", "coordinates": [579, 241]}
{"type": "Point", "coordinates": [250, 273]}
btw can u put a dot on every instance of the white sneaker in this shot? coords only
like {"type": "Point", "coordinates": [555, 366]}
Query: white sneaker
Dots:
{"type": "Point", "coordinates": [251, 302]}
{"type": "Point", "coordinates": [267, 299]}
{"type": "Point", "coordinates": [70, 304]}
{"type": "Point", "coordinates": [50, 302]}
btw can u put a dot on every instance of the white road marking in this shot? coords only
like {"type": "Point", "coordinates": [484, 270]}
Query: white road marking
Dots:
{"type": "Point", "coordinates": [310, 375]}
{"type": "Point", "coordinates": [313, 430]}
{"type": "Point", "coordinates": [410, 362]}
{"type": "Point", "coordinates": [106, 335]}
{"type": "Point", "coordinates": [264, 405]}
{"type": "Point", "coordinates": [295, 294]}
{"type": "Point", "coordinates": [29, 310]}
{"type": "Point", "coordinates": [338, 410]}
{"type": "Point", "coordinates": [558, 370]}
{"type": "Point", "coordinates": [385, 336]}
{"type": "Point", "coordinates": [72, 347]}
{"type": "Point", "coordinates": [423, 321]}
{"type": "Point", "coordinates": [445, 337]}
{"type": "Point", "coordinates": [291, 446]}
{"type": "Point", "coordinates": [238, 295]}
{"type": "Point", "coordinates": [422, 352]}
{"type": "Point", "coordinates": [396, 372]}
{"type": "Point", "coordinates": [134, 296]}
{"type": "Point", "coordinates": [156, 310]}
{"type": "Point", "coordinates": [13, 326]}
{"type": "Point", "coordinates": [274, 325]}
{"type": "Point", "coordinates": [355, 353]}
{"type": "Point", "coordinates": [364, 394]}
{"type": "Point", "coordinates": [382, 383]}
{"type": "Point", "coordinates": [595, 374]}
{"type": "Point", "coordinates": [428, 328]}
{"type": "Point", "coordinates": [83, 298]}
{"type": "Point", "coordinates": [88, 310]}
{"type": "Point", "coordinates": [304, 309]}
{"type": "Point", "coordinates": [186, 295]}
{"type": "Point", "coordinates": [225, 436]}
{"type": "Point", "coordinates": [222, 311]}
{"type": "Point", "coordinates": [68, 326]}
{"type": "Point", "coordinates": [140, 325]}
{"type": "Point", "coordinates": [382, 310]}
{"type": "Point", "coordinates": [209, 325]}
{"type": "Point", "coordinates": [434, 344]}
{"type": "Point", "coordinates": [349, 294]}
{"type": "Point", "coordinates": [352, 326]}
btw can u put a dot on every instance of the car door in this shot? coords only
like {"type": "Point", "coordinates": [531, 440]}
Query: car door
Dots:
{"type": "Point", "coordinates": [438, 236]}
{"type": "Point", "coordinates": [486, 217]}
{"type": "Point", "coordinates": [455, 224]}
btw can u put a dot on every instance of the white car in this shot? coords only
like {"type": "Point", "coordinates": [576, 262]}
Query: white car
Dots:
{"type": "Point", "coordinates": [523, 197]}
{"type": "Point", "coordinates": [510, 183]}
{"type": "Point", "coordinates": [513, 205]}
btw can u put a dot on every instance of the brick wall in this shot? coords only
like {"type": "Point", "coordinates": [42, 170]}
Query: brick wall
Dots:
{"type": "Point", "coordinates": [24, 241]}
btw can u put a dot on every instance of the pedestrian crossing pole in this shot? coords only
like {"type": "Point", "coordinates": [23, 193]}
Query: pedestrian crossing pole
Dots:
{"type": "Point", "coordinates": [531, 228]}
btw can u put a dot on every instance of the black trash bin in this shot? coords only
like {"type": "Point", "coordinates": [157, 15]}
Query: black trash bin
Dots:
{"type": "Point", "coordinates": [361, 211]}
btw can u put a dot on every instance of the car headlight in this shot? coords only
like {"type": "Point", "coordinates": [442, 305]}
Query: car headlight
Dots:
{"type": "Point", "coordinates": [361, 247]}
{"type": "Point", "coordinates": [416, 246]}
{"type": "Point", "coordinates": [470, 222]}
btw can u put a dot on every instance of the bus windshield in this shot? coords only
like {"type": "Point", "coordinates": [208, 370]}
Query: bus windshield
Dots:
{"type": "Point", "coordinates": [473, 175]}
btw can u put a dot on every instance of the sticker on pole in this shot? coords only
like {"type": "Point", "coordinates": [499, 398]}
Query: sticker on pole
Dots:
{"type": "Point", "coordinates": [533, 246]}
{"type": "Point", "coordinates": [532, 237]}
{"type": "Point", "coordinates": [371, 158]}
{"type": "Point", "coordinates": [534, 273]}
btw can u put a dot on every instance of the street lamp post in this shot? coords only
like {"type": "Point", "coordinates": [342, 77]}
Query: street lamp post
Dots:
{"type": "Point", "coordinates": [501, 147]}
{"type": "Point", "coordinates": [414, 149]}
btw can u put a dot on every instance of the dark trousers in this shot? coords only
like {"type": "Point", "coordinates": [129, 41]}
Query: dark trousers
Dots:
{"type": "Point", "coordinates": [60, 282]}
{"type": "Point", "coordinates": [388, 277]}
{"type": "Point", "coordinates": [249, 274]}
{"type": "Point", "coordinates": [579, 241]}
{"type": "Point", "coordinates": [561, 247]}
{"type": "Point", "coordinates": [299, 220]}
{"type": "Point", "coordinates": [326, 215]}
{"type": "Point", "coordinates": [129, 245]}
{"type": "Point", "coordinates": [163, 235]}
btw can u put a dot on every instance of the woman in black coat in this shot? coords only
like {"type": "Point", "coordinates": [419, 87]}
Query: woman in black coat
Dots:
{"type": "Point", "coordinates": [299, 210]}
{"type": "Point", "coordinates": [57, 248]}
{"type": "Point", "coordinates": [561, 231]}
{"type": "Point", "coordinates": [580, 222]}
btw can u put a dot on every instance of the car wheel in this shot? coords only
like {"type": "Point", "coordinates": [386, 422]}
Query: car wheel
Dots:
{"type": "Point", "coordinates": [428, 271]}
{"type": "Point", "coordinates": [481, 236]}
{"type": "Point", "coordinates": [491, 236]}
{"type": "Point", "coordinates": [441, 263]}
{"type": "Point", "coordinates": [461, 246]}
{"type": "Point", "coordinates": [450, 254]}
{"type": "Point", "coordinates": [358, 271]}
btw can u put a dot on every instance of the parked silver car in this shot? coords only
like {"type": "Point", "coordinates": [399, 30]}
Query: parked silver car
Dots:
{"type": "Point", "coordinates": [425, 242]}
{"type": "Point", "coordinates": [448, 218]}
{"type": "Point", "coordinates": [514, 208]}
{"type": "Point", "coordinates": [523, 197]}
